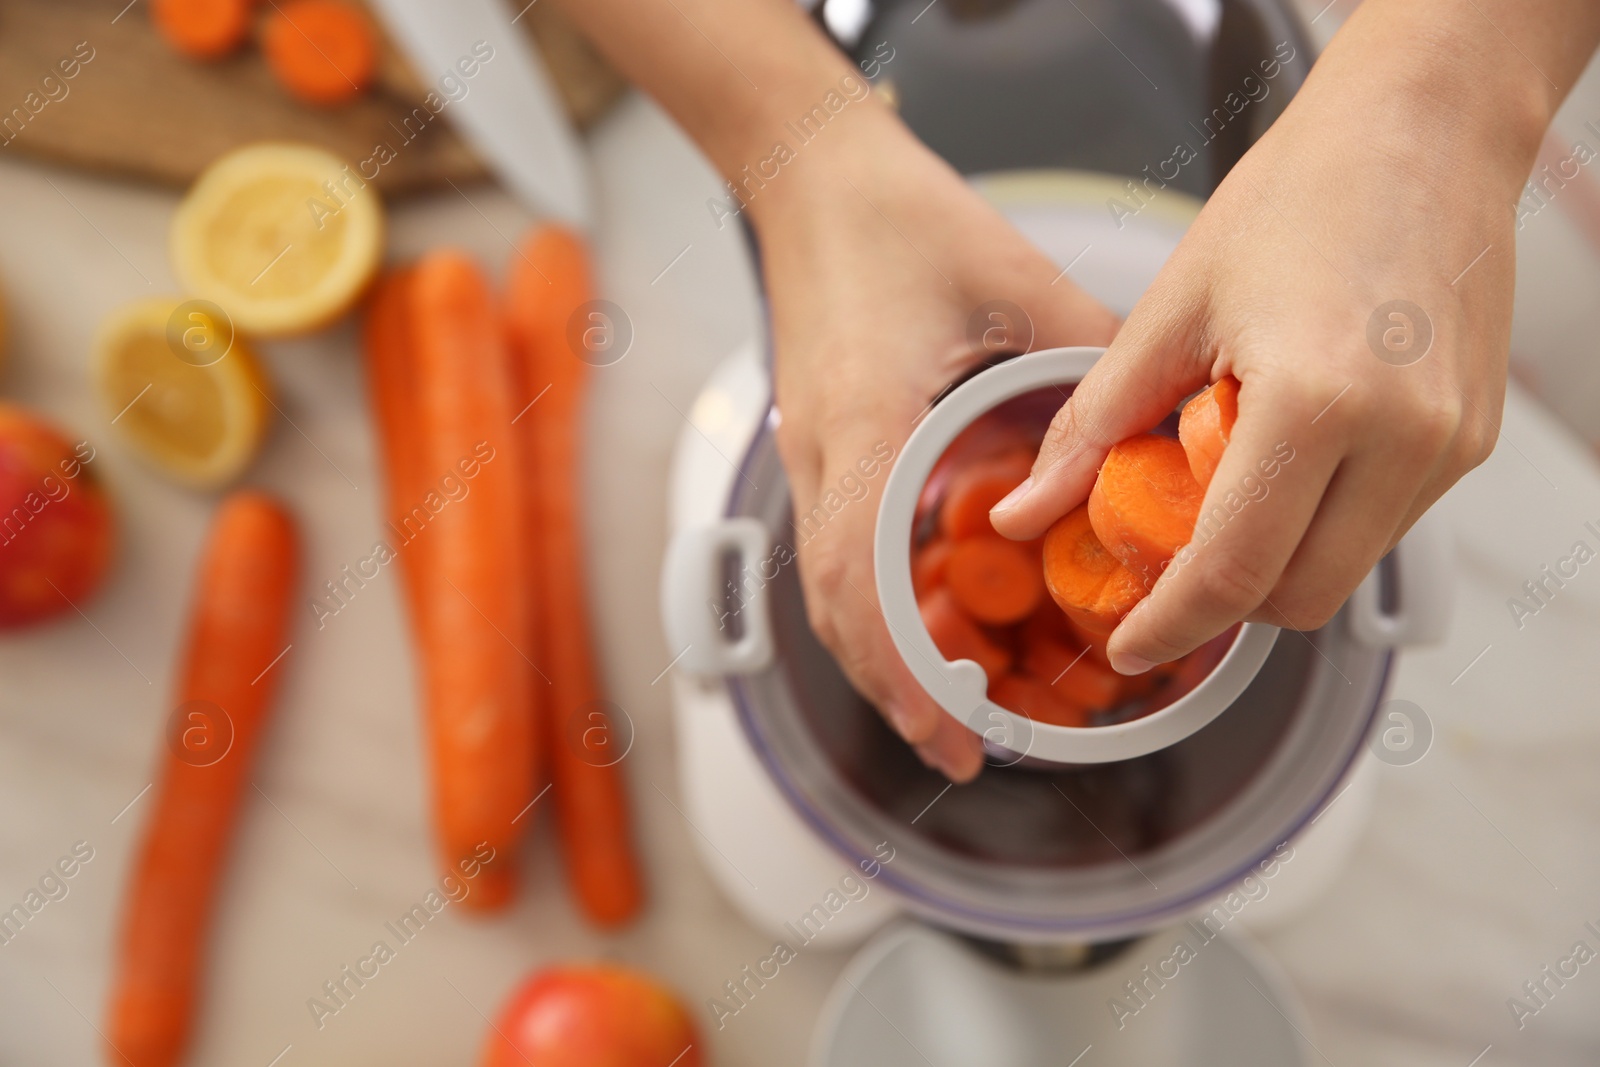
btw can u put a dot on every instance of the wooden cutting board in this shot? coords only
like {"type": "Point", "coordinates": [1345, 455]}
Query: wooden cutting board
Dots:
{"type": "Point", "coordinates": [138, 109]}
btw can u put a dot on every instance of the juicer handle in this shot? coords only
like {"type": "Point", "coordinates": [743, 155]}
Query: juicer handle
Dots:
{"type": "Point", "coordinates": [703, 608]}
{"type": "Point", "coordinates": [1422, 569]}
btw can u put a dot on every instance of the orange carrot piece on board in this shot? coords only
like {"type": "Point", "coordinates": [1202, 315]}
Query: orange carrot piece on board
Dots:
{"type": "Point", "coordinates": [977, 488]}
{"type": "Point", "coordinates": [957, 637]}
{"type": "Point", "coordinates": [322, 52]}
{"type": "Point", "coordinates": [1206, 425]}
{"type": "Point", "coordinates": [1071, 672]}
{"type": "Point", "coordinates": [238, 629]}
{"type": "Point", "coordinates": [1145, 503]}
{"type": "Point", "coordinates": [1037, 700]}
{"type": "Point", "coordinates": [475, 620]}
{"type": "Point", "coordinates": [548, 283]}
{"type": "Point", "coordinates": [996, 581]}
{"type": "Point", "coordinates": [202, 29]}
{"type": "Point", "coordinates": [928, 563]}
{"type": "Point", "coordinates": [1084, 579]}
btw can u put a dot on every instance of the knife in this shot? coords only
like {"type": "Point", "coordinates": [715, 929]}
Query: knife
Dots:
{"type": "Point", "coordinates": [510, 115]}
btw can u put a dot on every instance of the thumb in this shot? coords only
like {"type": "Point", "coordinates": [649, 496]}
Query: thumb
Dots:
{"type": "Point", "coordinates": [1149, 368]}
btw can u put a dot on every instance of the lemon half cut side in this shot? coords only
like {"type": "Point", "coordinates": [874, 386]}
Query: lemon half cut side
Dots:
{"type": "Point", "coordinates": [284, 237]}
{"type": "Point", "coordinates": [185, 392]}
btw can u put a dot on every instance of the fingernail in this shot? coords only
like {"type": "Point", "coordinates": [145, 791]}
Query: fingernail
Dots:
{"type": "Point", "coordinates": [1013, 498]}
{"type": "Point", "coordinates": [1123, 663]}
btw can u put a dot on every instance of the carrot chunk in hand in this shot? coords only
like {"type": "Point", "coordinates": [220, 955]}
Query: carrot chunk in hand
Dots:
{"type": "Point", "coordinates": [1083, 578]}
{"type": "Point", "coordinates": [1144, 504]}
{"type": "Point", "coordinates": [1206, 426]}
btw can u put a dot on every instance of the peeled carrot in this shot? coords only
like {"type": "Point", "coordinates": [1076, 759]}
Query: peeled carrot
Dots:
{"type": "Point", "coordinates": [1144, 503]}
{"type": "Point", "coordinates": [321, 51]}
{"type": "Point", "coordinates": [975, 489]}
{"type": "Point", "coordinates": [996, 581]}
{"type": "Point", "coordinates": [238, 629]}
{"type": "Point", "coordinates": [475, 621]}
{"type": "Point", "coordinates": [928, 564]}
{"type": "Point", "coordinates": [1071, 672]}
{"type": "Point", "coordinates": [1084, 579]}
{"type": "Point", "coordinates": [1037, 700]}
{"type": "Point", "coordinates": [391, 382]}
{"type": "Point", "coordinates": [549, 280]}
{"type": "Point", "coordinates": [957, 637]}
{"type": "Point", "coordinates": [1206, 425]}
{"type": "Point", "coordinates": [388, 342]}
{"type": "Point", "coordinates": [202, 29]}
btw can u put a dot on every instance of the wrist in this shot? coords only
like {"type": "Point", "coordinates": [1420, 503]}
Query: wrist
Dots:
{"type": "Point", "coordinates": [1431, 82]}
{"type": "Point", "coordinates": [794, 159]}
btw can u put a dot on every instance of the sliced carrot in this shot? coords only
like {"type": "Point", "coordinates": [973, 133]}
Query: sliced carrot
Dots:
{"type": "Point", "coordinates": [996, 581]}
{"type": "Point", "coordinates": [475, 618]}
{"type": "Point", "coordinates": [1094, 641]}
{"type": "Point", "coordinates": [977, 488]}
{"type": "Point", "coordinates": [957, 637]}
{"type": "Point", "coordinates": [321, 51]}
{"type": "Point", "coordinates": [928, 563]}
{"type": "Point", "coordinates": [1144, 504]}
{"type": "Point", "coordinates": [1084, 579]}
{"type": "Point", "coordinates": [238, 629]}
{"type": "Point", "coordinates": [1030, 697]}
{"type": "Point", "coordinates": [1072, 673]}
{"type": "Point", "coordinates": [202, 29]}
{"type": "Point", "coordinates": [1206, 426]}
{"type": "Point", "coordinates": [1048, 621]}
{"type": "Point", "coordinates": [548, 281]}
{"type": "Point", "coordinates": [1051, 621]}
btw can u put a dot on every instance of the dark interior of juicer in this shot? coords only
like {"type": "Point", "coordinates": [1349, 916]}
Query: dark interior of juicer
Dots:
{"type": "Point", "coordinates": [1109, 86]}
{"type": "Point", "coordinates": [1014, 814]}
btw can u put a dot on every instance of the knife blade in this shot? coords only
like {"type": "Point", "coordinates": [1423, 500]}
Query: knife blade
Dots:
{"type": "Point", "coordinates": [510, 114]}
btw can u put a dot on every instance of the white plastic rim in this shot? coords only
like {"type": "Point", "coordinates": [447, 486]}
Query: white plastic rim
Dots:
{"type": "Point", "coordinates": [961, 687]}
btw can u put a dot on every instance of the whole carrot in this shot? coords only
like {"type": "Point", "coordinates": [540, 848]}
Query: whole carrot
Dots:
{"type": "Point", "coordinates": [549, 282]}
{"type": "Point", "coordinates": [237, 632]}
{"type": "Point", "coordinates": [391, 382]}
{"type": "Point", "coordinates": [470, 591]}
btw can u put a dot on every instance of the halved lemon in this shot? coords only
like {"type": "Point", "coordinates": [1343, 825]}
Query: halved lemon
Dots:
{"type": "Point", "coordinates": [183, 388]}
{"type": "Point", "coordinates": [284, 237]}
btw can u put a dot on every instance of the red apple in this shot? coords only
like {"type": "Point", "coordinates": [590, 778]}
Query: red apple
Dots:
{"type": "Point", "coordinates": [593, 1015]}
{"type": "Point", "coordinates": [56, 533]}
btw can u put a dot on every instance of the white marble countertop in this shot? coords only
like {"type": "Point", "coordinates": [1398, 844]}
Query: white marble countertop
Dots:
{"type": "Point", "coordinates": [1477, 869]}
